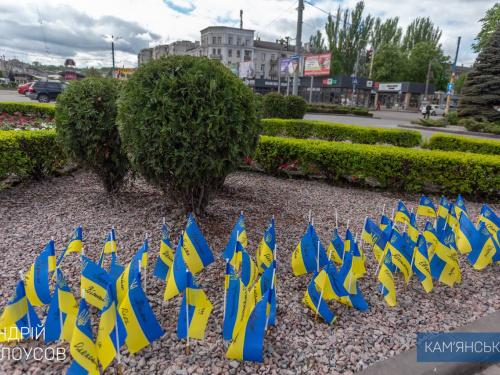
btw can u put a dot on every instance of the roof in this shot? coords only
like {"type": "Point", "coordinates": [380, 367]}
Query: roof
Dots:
{"type": "Point", "coordinates": [272, 45]}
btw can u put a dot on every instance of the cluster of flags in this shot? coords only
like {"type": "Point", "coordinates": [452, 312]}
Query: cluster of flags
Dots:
{"type": "Point", "coordinates": [330, 284]}
{"type": "Point", "coordinates": [433, 253]}
{"type": "Point", "coordinates": [249, 307]}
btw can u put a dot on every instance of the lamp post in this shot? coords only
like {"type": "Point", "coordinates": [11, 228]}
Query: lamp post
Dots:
{"type": "Point", "coordinates": [281, 41]}
{"type": "Point", "coordinates": [113, 40]}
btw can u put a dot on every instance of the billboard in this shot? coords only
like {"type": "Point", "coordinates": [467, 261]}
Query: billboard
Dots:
{"type": "Point", "coordinates": [234, 68]}
{"type": "Point", "coordinates": [317, 65]}
{"type": "Point", "coordinates": [123, 74]}
{"type": "Point", "coordinates": [247, 69]}
{"type": "Point", "coordinates": [288, 67]}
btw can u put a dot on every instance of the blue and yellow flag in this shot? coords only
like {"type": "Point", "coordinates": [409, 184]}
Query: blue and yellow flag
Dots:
{"type": "Point", "coordinates": [109, 246]}
{"type": "Point", "coordinates": [95, 281]}
{"type": "Point", "coordinates": [467, 237]}
{"type": "Point", "coordinates": [402, 215]}
{"type": "Point", "coordinates": [231, 252]}
{"type": "Point", "coordinates": [176, 282]}
{"type": "Point", "coordinates": [265, 255]}
{"type": "Point", "coordinates": [195, 250]}
{"type": "Point", "coordinates": [358, 258]}
{"type": "Point", "coordinates": [82, 345]}
{"type": "Point", "coordinates": [355, 298]}
{"type": "Point", "coordinates": [249, 341]}
{"type": "Point", "coordinates": [430, 234]}
{"type": "Point", "coordinates": [460, 207]}
{"type": "Point", "coordinates": [369, 228]}
{"type": "Point", "coordinates": [63, 306]}
{"type": "Point", "coordinates": [386, 277]}
{"type": "Point", "coordinates": [305, 255]}
{"type": "Point", "coordinates": [75, 245]}
{"type": "Point", "coordinates": [194, 312]}
{"type": "Point", "coordinates": [249, 271]}
{"type": "Point", "coordinates": [413, 228]}
{"type": "Point", "coordinates": [421, 264]}
{"type": "Point", "coordinates": [451, 220]}
{"type": "Point", "coordinates": [136, 313]}
{"type": "Point", "coordinates": [402, 253]}
{"type": "Point", "coordinates": [128, 276]}
{"type": "Point", "coordinates": [112, 333]}
{"type": "Point", "coordinates": [426, 207]}
{"type": "Point", "coordinates": [237, 304]}
{"type": "Point", "coordinates": [328, 281]}
{"type": "Point", "coordinates": [260, 288]}
{"type": "Point", "coordinates": [385, 222]}
{"type": "Point", "coordinates": [336, 247]}
{"type": "Point", "coordinates": [165, 258]}
{"type": "Point", "coordinates": [315, 303]}
{"type": "Point", "coordinates": [444, 264]}
{"type": "Point", "coordinates": [442, 216]}
{"type": "Point", "coordinates": [36, 279]}
{"type": "Point", "coordinates": [116, 268]}
{"type": "Point", "coordinates": [491, 220]}
{"type": "Point", "coordinates": [14, 322]}
{"type": "Point", "coordinates": [483, 247]}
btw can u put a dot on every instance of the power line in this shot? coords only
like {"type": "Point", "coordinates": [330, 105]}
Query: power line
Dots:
{"type": "Point", "coordinates": [293, 2]}
{"type": "Point", "coordinates": [43, 33]}
{"type": "Point", "coordinates": [329, 13]}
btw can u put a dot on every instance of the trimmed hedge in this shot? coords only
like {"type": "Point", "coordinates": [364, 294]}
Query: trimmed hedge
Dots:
{"type": "Point", "coordinates": [456, 143]}
{"type": "Point", "coordinates": [480, 126]}
{"type": "Point", "coordinates": [40, 110]}
{"type": "Point", "coordinates": [339, 132]}
{"type": "Point", "coordinates": [329, 108]}
{"type": "Point", "coordinates": [439, 123]}
{"type": "Point", "coordinates": [30, 153]}
{"type": "Point", "coordinates": [389, 167]}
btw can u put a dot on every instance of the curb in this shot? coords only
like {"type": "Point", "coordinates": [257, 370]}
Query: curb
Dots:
{"type": "Point", "coordinates": [464, 133]}
{"type": "Point", "coordinates": [406, 362]}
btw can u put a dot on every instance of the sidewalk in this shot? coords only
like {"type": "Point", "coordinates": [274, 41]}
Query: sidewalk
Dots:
{"type": "Point", "coordinates": [406, 362]}
{"type": "Point", "coordinates": [451, 129]}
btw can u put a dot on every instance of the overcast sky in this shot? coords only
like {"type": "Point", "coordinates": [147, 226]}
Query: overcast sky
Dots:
{"type": "Point", "coordinates": [50, 31]}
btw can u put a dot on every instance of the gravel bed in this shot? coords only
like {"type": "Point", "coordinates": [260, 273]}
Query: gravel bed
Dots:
{"type": "Point", "coordinates": [31, 213]}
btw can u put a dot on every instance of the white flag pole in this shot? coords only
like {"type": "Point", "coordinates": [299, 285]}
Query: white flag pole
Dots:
{"type": "Point", "coordinates": [225, 293]}
{"type": "Point", "coordinates": [145, 269]}
{"type": "Point", "coordinates": [310, 213]}
{"type": "Point", "coordinates": [187, 316]}
{"type": "Point", "coordinates": [272, 287]}
{"type": "Point", "coordinates": [336, 219]}
{"type": "Point", "coordinates": [317, 259]}
{"type": "Point", "coordinates": [411, 269]}
{"type": "Point", "coordinates": [379, 263]}
{"type": "Point", "coordinates": [27, 308]}
{"type": "Point", "coordinates": [383, 210]}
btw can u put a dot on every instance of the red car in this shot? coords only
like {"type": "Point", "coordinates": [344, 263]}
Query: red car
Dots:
{"type": "Point", "coordinates": [23, 89]}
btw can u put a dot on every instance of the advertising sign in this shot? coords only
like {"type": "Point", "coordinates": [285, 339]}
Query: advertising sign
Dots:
{"type": "Point", "coordinates": [247, 69]}
{"type": "Point", "coordinates": [234, 68]}
{"type": "Point", "coordinates": [123, 74]}
{"type": "Point", "coordinates": [317, 65]}
{"type": "Point", "coordinates": [289, 66]}
{"type": "Point", "coordinates": [389, 87]}
{"type": "Point", "coordinates": [70, 76]}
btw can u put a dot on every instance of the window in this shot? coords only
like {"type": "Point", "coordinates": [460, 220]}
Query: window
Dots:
{"type": "Point", "coordinates": [218, 51]}
{"type": "Point", "coordinates": [214, 39]}
{"type": "Point", "coordinates": [213, 51]}
{"type": "Point", "coordinates": [247, 42]}
{"type": "Point", "coordinates": [238, 42]}
{"type": "Point", "coordinates": [263, 56]}
{"type": "Point", "coordinates": [230, 40]}
{"type": "Point", "coordinates": [238, 53]}
{"type": "Point", "coordinates": [273, 57]}
{"type": "Point", "coordinates": [230, 53]}
{"type": "Point", "coordinates": [219, 40]}
{"type": "Point", "coordinates": [229, 62]}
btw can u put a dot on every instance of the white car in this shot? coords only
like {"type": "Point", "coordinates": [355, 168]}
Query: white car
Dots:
{"type": "Point", "coordinates": [435, 109]}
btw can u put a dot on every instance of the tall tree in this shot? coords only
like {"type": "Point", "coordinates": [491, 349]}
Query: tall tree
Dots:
{"type": "Point", "coordinates": [318, 42]}
{"type": "Point", "coordinates": [347, 35]}
{"type": "Point", "coordinates": [481, 91]}
{"type": "Point", "coordinates": [418, 63]}
{"type": "Point", "coordinates": [421, 30]}
{"type": "Point", "coordinates": [389, 63]}
{"type": "Point", "coordinates": [387, 32]}
{"type": "Point", "coordinates": [490, 23]}
{"type": "Point", "coordinates": [459, 83]}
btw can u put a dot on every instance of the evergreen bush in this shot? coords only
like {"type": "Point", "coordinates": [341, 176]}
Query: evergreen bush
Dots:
{"type": "Point", "coordinates": [186, 123]}
{"type": "Point", "coordinates": [453, 118]}
{"type": "Point", "coordinates": [274, 105]}
{"type": "Point", "coordinates": [86, 114]}
{"type": "Point", "coordinates": [295, 107]}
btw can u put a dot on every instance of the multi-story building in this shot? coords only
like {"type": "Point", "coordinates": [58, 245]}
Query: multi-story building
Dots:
{"type": "Point", "coordinates": [175, 48]}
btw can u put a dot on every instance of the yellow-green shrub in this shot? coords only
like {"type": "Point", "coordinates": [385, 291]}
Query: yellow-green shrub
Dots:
{"type": "Point", "coordinates": [41, 110]}
{"type": "Point", "coordinates": [457, 143]}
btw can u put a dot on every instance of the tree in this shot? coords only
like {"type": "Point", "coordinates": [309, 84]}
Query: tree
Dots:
{"type": "Point", "coordinates": [387, 32]}
{"type": "Point", "coordinates": [490, 23]}
{"type": "Point", "coordinates": [421, 30]}
{"type": "Point", "coordinates": [94, 73]}
{"type": "Point", "coordinates": [318, 42]}
{"type": "Point", "coordinates": [460, 82]}
{"type": "Point", "coordinates": [418, 63]}
{"type": "Point", "coordinates": [346, 41]}
{"type": "Point", "coordinates": [481, 90]}
{"type": "Point", "coordinates": [389, 63]}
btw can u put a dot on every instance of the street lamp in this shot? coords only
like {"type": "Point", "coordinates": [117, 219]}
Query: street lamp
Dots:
{"type": "Point", "coordinates": [113, 40]}
{"type": "Point", "coordinates": [281, 41]}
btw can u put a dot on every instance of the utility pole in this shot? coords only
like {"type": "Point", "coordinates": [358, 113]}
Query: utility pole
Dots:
{"type": "Point", "coordinates": [113, 40]}
{"type": "Point", "coordinates": [428, 79]}
{"type": "Point", "coordinates": [298, 46]}
{"type": "Point", "coordinates": [371, 62]}
{"type": "Point", "coordinates": [353, 84]}
{"type": "Point", "coordinates": [452, 79]}
{"type": "Point", "coordinates": [281, 41]}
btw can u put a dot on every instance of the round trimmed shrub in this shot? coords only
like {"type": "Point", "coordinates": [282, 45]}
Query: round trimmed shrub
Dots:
{"type": "Point", "coordinates": [86, 114]}
{"type": "Point", "coordinates": [274, 105]}
{"type": "Point", "coordinates": [295, 107]}
{"type": "Point", "coordinates": [186, 123]}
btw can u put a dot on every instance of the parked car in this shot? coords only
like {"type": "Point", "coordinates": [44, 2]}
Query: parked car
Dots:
{"type": "Point", "coordinates": [45, 91]}
{"type": "Point", "coordinates": [24, 89]}
{"type": "Point", "coordinates": [436, 109]}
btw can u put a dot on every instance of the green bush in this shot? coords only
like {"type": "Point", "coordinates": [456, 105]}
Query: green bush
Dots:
{"type": "Point", "coordinates": [295, 107]}
{"type": "Point", "coordinates": [331, 108]}
{"type": "Point", "coordinates": [439, 123]}
{"type": "Point", "coordinates": [393, 168]}
{"type": "Point", "coordinates": [86, 114]}
{"type": "Point", "coordinates": [453, 118]}
{"type": "Point", "coordinates": [339, 132]}
{"type": "Point", "coordinates": [187, 122]}
{"type": "Point", "coordinates": [480, 126]}
{"type": "Point", "coordinates": [30, 153]}
{"type": "Point", "coordinates": [40, 110]}
{"type": "Point", "coordinates": [456, 143]}
{"type": "Point", "coordinates": [274, 105]}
